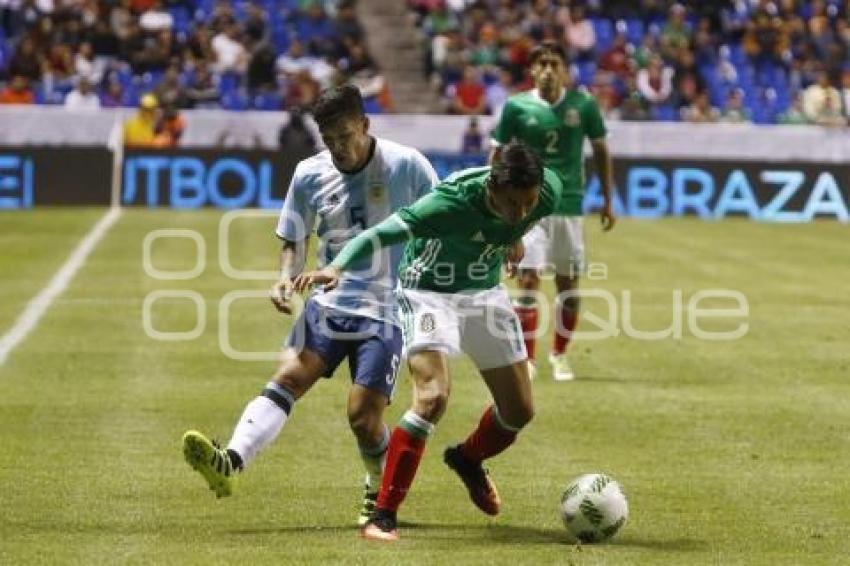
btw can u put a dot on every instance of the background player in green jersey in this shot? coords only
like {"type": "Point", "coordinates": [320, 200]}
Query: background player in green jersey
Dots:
{"type": "Point", "coordinates": [452, 302]}
{"type": "Point", "coordinates": [554, 119]}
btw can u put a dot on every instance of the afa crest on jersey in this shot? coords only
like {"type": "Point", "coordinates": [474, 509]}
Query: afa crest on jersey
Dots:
{"type": "Point", "coordinates": [377, 193]}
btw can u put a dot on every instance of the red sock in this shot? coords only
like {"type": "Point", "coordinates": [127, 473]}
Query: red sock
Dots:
{"type": "Point", "coordinates": [563, 332]}
{"type": "Point", "coordinates": [528, 321]}
{"type": "Point", "coordinates": [488, 440]}
{"type": "Point", "coordinates": [403, 455]}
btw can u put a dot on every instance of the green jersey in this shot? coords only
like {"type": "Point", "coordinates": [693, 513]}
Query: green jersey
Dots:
{"type": "Point", "coordinates": [556, 132]}
{"type": "Point", "coordinates": [456, 242]}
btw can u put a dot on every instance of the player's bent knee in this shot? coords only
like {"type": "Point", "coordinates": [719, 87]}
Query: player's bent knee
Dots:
{"type": "Point", "coordinates": [529, 280]}
{"type": "Point", "coordinates": [431, 404]}
{"type": "Point", "coordinates": [518, 416]}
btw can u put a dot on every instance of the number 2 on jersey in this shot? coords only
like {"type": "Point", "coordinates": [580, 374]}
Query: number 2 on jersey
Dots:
{"type": "Point", "coordinates": [552, 141]}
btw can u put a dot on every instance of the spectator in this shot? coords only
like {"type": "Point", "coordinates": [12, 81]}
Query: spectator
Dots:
{"type": "Point", "coordinates": [578, 32]}
{"type": "Point", "coordinates": [675, 35]}
{"type": "Point", "coordinates": [615, 59]}
{"type": "Point", "coordinates": [139, 130]}
{"type": "Point", "coordinates": [294, 60]}
{"type": "Point", "coordinates": [295, 139]}
{"type": "Point", "coordinates": [687, 82]}
{"type": "Point", "coordinates": [170, 92]}
{"type": "Point", "coordinates": [169, 128]}
{"type": "Point", "coordinates": [822, 101]}
{"type": "Point", "coordinates": [735, 111]}
{"type": "Point", "coordinates": [701, 111]}
{"type": "Point", "coordinates": [26, 61]}
{"type": "Point", "coordinates": [363, 72]}
{"type": "Point", "coordinates": [449, 57]}
{"type": "Point", "coordinates": [766, 39]}
{"type": "Point", "coordinates": [82, 97]}
{"type": "Point", "coordinates": [203, 91]}
{"type": "Point", "coordinates": [199, 47]}
{"type": "Point", "coordinates": [256, 26]}
{"type": "Point", "coordinates": [261, 75]}
{"type": "Point", "coordinates": [86, 65]}
{"type": "Point", "coordinates": [301, 91]}
{"type": "Point", "coordinates": [230, 53]}
{"type": "Point", "coordinates": [439, 20]}
{"type": "Point", "coordinates": [156, 19]}
{"type": "Point", "coordinates": [499, 91]}
{"type": "Point", "coordinates": [473, 141]}
{"type": "Point", "coordinates": [18, 91]}
{"type": "Point", "coordinates": [114, 96]}
{"type": "Point", "coordinates": [468, 97]}
{"type": "Point", "coordinates": [845, 92]}
{"type": "Point", "coordinates": [655, 82]}
{"type": "Point", "coordinates": [795, 116]}
{"type": "Point", "coordinates": [315, 29]}
{"type": "Point", "coordinates": [346, 26]}
{"type": "Point", "coordinates": [485, 54]}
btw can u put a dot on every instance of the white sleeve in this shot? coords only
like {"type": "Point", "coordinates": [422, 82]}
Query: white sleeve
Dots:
{"type": "Point", "coordinates": [422, 175]}
{"type": "Point", "coordinates": [296, 216]}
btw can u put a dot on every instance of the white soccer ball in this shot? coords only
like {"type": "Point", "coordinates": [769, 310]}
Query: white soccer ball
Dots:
{"type": "Point", "coordinates": [593, 508]}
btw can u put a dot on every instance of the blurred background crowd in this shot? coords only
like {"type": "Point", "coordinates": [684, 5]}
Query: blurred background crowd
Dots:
{"type": "Point", "coordinates": [259, 54]}
{"type": "Point", "coordinates": [763, 61]}
{"type": "Point", "coordinates": [699, 60]}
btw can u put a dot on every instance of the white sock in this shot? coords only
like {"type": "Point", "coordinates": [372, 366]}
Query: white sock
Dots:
{"type": "Point", "coordinates": [261, 422]}
{"type": "Point", "coordinates": [374, 459]}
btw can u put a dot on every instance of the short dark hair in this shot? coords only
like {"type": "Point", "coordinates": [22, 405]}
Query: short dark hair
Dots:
{"type": "Point", "coordinates": [548, 48]}
{"type": "Point", "coordinates": [516, 166]}
{"type": "Point", "coordinates": [338, 102]}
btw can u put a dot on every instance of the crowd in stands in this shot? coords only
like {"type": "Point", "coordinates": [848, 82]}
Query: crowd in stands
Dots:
{"type": "Point", "coordinates": [762, 61]}
{"type": "Point", "coordinates": [243, 54]}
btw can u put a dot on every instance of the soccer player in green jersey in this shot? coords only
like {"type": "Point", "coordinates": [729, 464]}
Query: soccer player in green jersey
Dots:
{"type": "Point", "coordinates": [452, 302]}
{"type": "Point", "coordinates": [554, 119]}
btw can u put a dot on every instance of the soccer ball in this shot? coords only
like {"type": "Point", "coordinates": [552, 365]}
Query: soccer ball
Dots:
{"type": "Point", "coordinates": [593, 508]}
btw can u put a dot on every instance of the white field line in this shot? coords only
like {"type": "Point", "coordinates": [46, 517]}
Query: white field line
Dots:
{"type": "Point", "coordinates": [39, 305]}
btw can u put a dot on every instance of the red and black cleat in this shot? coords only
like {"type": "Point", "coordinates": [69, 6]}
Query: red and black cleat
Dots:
{"type": "Point", "coordinates": [381, 527]}
{"type": "Point", "coordinates": [481, 488]}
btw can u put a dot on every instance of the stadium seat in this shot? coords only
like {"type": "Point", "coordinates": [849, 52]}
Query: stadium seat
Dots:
{"type": "Point", "coordinates": [234, 101]}
{"type": "Point", "coordinates": [267, 102]}
{"type": "Point", "coordinates": [604, 33]}
{"type": "Point", "coordinates": [634, 31]}
{"type": "Point", "coordinates": [665, 113]}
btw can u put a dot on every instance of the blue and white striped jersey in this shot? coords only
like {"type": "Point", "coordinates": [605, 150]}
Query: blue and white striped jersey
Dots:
{"type": "Point", "coordinates": [339, 206]}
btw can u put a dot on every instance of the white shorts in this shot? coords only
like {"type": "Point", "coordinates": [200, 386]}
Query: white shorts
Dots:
{"type": "Point", "coordinates": [555, 243]}
{"type": "Point", "coordinates": [482, 325]}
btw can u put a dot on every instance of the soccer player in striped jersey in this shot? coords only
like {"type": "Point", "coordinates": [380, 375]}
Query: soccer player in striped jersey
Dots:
{"type": "Point", "coordinates": [452, 301]}
{"type": "Point", "coordinates": [554, 119]}
{"type": "Point", "coordinates": [354, 184]}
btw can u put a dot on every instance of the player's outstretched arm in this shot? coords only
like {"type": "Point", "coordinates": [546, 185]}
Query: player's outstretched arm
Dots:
{"type": "Point", "coordinates": [290, 263]}
{"type": "Point", "coordinates": [604, 167]}
{"type": "Point", "coordinates": [391, 231]}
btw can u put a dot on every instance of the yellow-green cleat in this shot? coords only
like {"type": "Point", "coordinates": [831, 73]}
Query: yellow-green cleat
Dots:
{"type": "Point", "coordinates": [210, 460]}
{"type": "Point", "coordinates": [370, 498]}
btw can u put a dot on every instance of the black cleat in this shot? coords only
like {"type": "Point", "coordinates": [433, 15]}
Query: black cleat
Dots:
{"type": "Point", "coordinates": [482, 490]}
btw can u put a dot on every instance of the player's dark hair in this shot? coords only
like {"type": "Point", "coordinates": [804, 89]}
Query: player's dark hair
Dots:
{"type": "Point", "coordinates": [516, 167]}
{"type": "Point", "coordinates": [548, 48]}
{"type": "Point", "coordinates": [337, 102]}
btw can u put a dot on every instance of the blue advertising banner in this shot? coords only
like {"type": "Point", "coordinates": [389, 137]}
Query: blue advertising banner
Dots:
{"type": "Point", "coordinates": [196, 178]}
{"type": "Point", "coordinates": [54, 176]}
{"type": "Point", "coordinates": [769, 192]}
{"type": "Point", "coordinates": [206, 177]}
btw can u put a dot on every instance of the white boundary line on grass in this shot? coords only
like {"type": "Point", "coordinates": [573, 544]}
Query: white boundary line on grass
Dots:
{"type": "Point", "coordinates": [39, 305]}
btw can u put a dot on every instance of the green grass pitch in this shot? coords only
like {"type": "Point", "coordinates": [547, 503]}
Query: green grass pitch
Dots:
{"type": "Point", "coordinates": [730, 452]}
